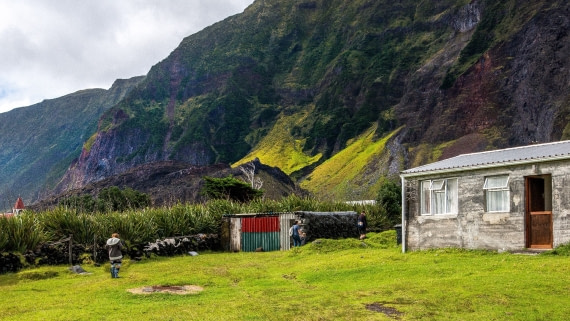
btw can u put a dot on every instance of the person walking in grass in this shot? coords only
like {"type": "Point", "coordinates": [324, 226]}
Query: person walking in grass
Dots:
{"type": "Point", "coordinates": [115, 246]}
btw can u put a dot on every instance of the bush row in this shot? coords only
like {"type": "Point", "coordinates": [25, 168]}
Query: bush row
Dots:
{"type": "Point", "coordinates": [37, 236]}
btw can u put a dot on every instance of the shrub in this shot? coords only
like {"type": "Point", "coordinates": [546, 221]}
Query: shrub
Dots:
{"type": "Point", "coordinates": [390, 200]}
{"type": "Point", "coordinates": [20, 233]}
{"type": "Point", "coordinates": [109, 199]}
{"type": "Point", "coordinates": [229, 188]}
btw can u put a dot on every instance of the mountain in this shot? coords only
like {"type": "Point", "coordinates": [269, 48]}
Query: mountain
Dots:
{"type": "Point", "coordinates": [297, 84]}
{"type": "Point", "coordinates": [38, 142]}
{"type": "Point", "coordinates": [340, 95]}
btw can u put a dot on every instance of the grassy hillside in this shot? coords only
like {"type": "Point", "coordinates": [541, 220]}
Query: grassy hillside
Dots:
{"type": "Point", "coordinates": [355, 172]}
{"type": "Point", "coordinates": [280, 149]}
{"type": "Point", "coordinates": [286, 81]}
{"type": "Point", "coordinates": [325, 280]}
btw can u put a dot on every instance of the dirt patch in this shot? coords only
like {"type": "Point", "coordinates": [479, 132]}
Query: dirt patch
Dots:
{"type": "Point", "coordinates": [173, 289]}
{"type": "Point", "coordinates": [389, 311]}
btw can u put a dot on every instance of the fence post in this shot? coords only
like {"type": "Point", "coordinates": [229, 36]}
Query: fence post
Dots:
{"type": "Point", "coordinates": [70, 250]}
{"type": "Point", "coordinates": [95, 248]}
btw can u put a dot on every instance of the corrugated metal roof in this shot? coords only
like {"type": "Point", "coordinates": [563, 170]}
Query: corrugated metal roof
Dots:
{"type": "Point", "coordinates": [501, 157]}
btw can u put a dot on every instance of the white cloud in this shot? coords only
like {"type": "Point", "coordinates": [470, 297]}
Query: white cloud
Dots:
{"type": "Point", "coordinates": [50, 48]}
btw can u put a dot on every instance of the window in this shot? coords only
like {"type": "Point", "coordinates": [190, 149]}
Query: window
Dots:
{"type": "Point", "coordinates": [439, 196]}
{"type": "Point", "coordinates": [497, 193]}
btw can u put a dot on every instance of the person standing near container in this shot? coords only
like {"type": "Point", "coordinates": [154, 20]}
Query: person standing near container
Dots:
{"type": "Point", "coordinates": [115, 246]}
{"type": "Point", "coordinates": [362, 225]}
{"type": "Point", "coordinates": [295, 234]}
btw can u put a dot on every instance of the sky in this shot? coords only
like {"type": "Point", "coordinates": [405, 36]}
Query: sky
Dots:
{"type": "Point", "coordinates": [51, 48]}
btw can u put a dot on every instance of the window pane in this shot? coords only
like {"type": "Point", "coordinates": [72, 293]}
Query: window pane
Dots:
{"type": "Point", "coordinates": [437, 185]}
{"type": "Point", "coordinates": [425, 196]}
{"type": "Point", "coordinates": [498, 201]}
{"type": "Point", "coordinates": [438, 202]}
{"type": "Point", "coordinates": [452, 206]}
{"type": "Point", "coordinates": [496, 182]}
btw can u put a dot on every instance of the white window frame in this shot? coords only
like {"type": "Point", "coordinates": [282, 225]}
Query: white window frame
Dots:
{"type": "Point", "coordinates": [497, 190]}
{"type": "Point", "coordinates": [443, 191]}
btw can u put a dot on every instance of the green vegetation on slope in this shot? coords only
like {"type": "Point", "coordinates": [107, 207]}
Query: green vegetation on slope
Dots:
{"type": "Point", "coordinates": [223, 93]}
{"type": "Point", "coordinates": [325, 280]}
{"type": "Point", "coordinates": [280, 149]}
{"type": "Point", "coordinates": [339, 176]}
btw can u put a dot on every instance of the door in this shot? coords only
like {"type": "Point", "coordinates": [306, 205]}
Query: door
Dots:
{"type": "Point", "coordinates": [538, 212]}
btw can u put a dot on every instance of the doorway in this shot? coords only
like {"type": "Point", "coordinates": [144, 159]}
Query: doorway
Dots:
{"type": "Point", "coordinates": [538, 212]}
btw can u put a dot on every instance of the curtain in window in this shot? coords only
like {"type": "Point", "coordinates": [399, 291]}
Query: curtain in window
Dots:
{"type": "Point", "coordinates": [425, 197]}
{"type": "Point", "coordinates": [438, 202]}
{"type": "Point", "coordinates": [452, 206]}
{"type": "Point", "coordinates": [497, 188]}
{"type": "Point", "coordinates": [497, 201]}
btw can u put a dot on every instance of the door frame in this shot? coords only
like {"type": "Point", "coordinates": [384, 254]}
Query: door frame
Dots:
{"type": "Point", "coordinates": [539, 215]}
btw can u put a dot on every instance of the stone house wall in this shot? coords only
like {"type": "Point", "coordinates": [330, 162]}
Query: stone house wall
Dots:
{"type": "Point", "coordinates": [474, 228]}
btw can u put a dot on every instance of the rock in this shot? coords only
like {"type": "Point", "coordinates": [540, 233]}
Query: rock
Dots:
{"type": "Point", "coordinates": [77, 269]}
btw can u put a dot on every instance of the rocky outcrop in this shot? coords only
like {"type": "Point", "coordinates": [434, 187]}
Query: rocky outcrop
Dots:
{"type": "Point", "coordinates": [168, 183]}
{"type": "Point", "coordinates": [515, 94]}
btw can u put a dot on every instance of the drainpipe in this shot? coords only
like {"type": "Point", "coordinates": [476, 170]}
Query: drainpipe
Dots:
{"type": "Point", "coordinates": [403, 214]}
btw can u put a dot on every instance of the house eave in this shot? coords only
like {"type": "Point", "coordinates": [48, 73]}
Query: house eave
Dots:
{"type": "Point", "coordinates": [483, 166]}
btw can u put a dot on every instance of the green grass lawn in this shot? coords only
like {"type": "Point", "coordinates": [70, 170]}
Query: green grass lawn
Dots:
{"type": "Point", "coordinates": [329, 280]}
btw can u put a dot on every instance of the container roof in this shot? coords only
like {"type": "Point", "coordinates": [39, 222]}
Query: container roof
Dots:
{"type": "Point", "coordinates": [502, 157]}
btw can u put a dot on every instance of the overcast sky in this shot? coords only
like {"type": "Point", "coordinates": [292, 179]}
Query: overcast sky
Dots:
{"type": "Point", "coordinates": [50, 48]}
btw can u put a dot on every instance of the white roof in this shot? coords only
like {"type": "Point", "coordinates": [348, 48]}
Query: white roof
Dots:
{"type": "Point", "coordinates": [502, 157]}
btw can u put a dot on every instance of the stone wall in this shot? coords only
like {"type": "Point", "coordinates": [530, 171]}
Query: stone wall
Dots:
{"type": "Point", "coordinates": [474, 228]}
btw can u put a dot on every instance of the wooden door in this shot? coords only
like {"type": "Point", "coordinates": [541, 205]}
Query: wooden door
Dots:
{"type": "Point", "coordinates": [538, 218]}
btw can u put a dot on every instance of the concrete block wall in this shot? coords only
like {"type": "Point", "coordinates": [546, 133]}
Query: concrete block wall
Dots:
{"type": "Point", "coordinates": [474, 228]}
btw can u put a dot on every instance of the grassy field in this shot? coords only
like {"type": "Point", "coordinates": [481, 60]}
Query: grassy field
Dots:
{"type": "Point", "coordinates": [327, 280]}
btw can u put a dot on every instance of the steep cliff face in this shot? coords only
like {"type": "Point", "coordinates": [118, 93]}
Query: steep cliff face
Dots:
{"type": "Point", "coordinates": [38, 142]}
{"type": "Point", "coordinates": [451, 76]}
{"type": "Point", "coordinates": [515, 93]}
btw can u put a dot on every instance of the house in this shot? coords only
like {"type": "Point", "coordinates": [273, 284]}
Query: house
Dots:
{"type": "Point", "coordinates": [18, 206]}
{"type": "Point", "coordinates": [509, 199]}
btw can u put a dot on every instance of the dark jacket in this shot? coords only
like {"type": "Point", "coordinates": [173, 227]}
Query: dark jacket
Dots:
{"type": "Point", "coordinates": [114, 246]}
{"type": "Point", "coordinates": [362, 219]}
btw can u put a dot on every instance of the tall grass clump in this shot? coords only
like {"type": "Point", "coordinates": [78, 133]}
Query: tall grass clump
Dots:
{"type": "Point", "coordinates": [4, 236]}
{"type": "Point", "coordinates": [562, 250]}
{"type": "Point", "coordinates": [221, 206]}
{"type": "Point", "coordinates": [264, 206]}
{"type": "Point", "coordinates": [139, 226]}
{"type": "Point", "coordinates": [133, 226]}
{"type": "Point", "coordinates": [60, 223]}
{"type": "Point", "coordinates": [202, 220]}
{"type": "Point", "coordinates": [294, 203]}
{"type": "Point", "coordinates": [186, 219]}
{"type": "Point", "coordinates": [20, 233]}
